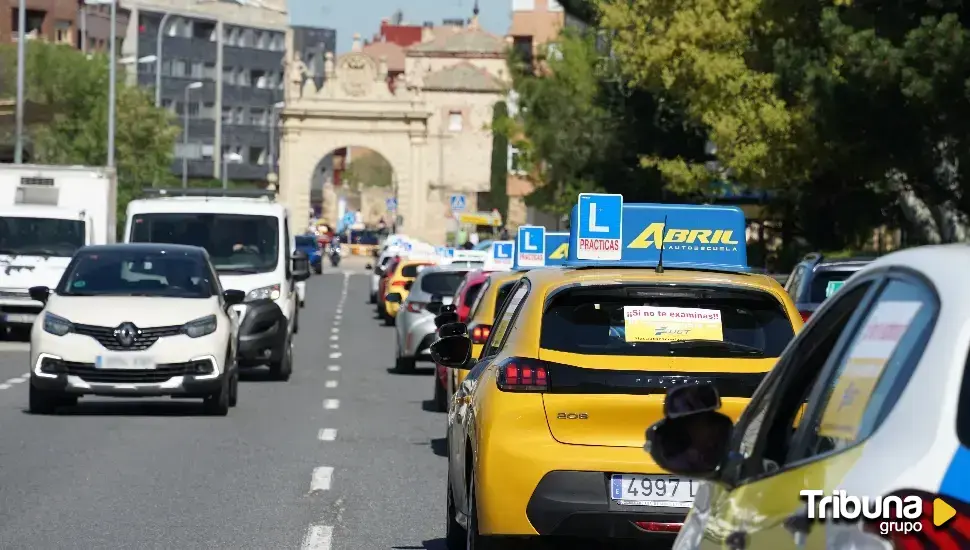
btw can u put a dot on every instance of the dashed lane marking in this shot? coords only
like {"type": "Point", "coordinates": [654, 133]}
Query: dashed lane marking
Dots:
{"type": "Point", "coordinates": [335, 355]}
{"type": "Point", "coordinates": [321, 479]}
{"type": "Point", "coordinates": [333, 368]}
{"type": "Point", "coordinates": [14, 346]}
{"type": "Point", "coordinates": [331, 404]}
{"type": "Point", "coordinates": [335, 330]}
{"type": "Point", "coordinates": [337, 317]}
{"type": "Point", "coordinates": [318, 537]}
{"type": "Point", "coordinates": [327, 434]}
{"type": "Point", "coordinates": [4, 386]}
{"type": "Point", "coordinates": [17, 380]}
{"type": "Point", "coordinates": [335, 346]}
{"type": "Point", "coordinates": [335, 337]}
{"type": "Point", "coordinates": [330, 384]}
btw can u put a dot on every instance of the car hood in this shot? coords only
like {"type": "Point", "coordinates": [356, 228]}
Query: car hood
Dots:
{"type": "Point", "coordinates": [22, 272]}
{"type": "Point", "coordinates": [110, 311]}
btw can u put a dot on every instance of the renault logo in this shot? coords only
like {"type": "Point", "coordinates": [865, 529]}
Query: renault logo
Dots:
{"type": "Point", "coordinates": [125, 334]}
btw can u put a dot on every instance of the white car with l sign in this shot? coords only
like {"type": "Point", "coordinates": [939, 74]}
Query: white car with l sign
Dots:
{"type": "Point", "coordinates": [135, 320]}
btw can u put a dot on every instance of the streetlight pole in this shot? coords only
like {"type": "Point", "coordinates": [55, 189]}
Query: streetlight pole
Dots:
{"type": "Point", "coordinates": [21, 62]}
{"type": "Point", "coordinates": [158, 59]}
{"type": "Point", "coordinates": [185, 133]}
{"type": "Point", "coordinates": [112, 85]}
{"type": "Point", "coordinates": [273, 122]}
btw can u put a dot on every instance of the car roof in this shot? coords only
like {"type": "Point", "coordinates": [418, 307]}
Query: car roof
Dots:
{"type": "Point", "coordinates": [442, 269]}
{"type": "Point", "coordinates": [213, 205]}
{"type": "Point", "coordinates": [556, 277]}
{"type": "Point", "coordinates": [944, 265]}
{"type": "Point", "coordinates": [144, 248]}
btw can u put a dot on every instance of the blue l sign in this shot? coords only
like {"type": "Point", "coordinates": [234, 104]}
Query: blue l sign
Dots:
{"type": "Point", "coordinates": [600, 227]}
{"type": "Point", "coordinates": [502, 251]}
{"type": "Point", "coordinates": [531, 246]}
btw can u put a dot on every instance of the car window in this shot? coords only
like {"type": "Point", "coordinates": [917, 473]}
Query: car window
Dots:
{"type": "Point", "coordinates": [442, 284]}
{"type": "Point", "coordinates": [826, 282]}
{"type": "Point", "coordinates": [411, 270]}
{"type": "Point", "coordinates": [763, 436]}
{"type": "Point", "coordinates": [864, 383]}
{"type": "Point", "coordinates": [471, 295]}
{"type": "Point", "coordinates": [794, 281]}
{"type": "Point", "coordinates": [497, 338]}
{"type": "Point", "coordinates": [649, 321]}
{"type": "Point", "coordinates": [503, 293]}
{"type": "Point", "coordinates": [476, 304]}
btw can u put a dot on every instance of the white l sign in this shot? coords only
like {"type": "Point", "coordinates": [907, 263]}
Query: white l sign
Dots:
{"type": "Point", "coordinates": [593, 228]}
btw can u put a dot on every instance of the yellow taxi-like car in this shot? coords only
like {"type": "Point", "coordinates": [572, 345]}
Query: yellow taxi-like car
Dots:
{"type": "Point", "coordinates": [399, 285]}
{"type": "Point", "coordinates": [546, 435]}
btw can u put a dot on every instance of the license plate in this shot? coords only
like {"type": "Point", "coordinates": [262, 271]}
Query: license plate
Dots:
{"type": "Point", "coordinates": [129, 362]}
{"type": "Point", "coordinates": [20, 318]}
{"type": "Point", "coordinates": [652, 490]}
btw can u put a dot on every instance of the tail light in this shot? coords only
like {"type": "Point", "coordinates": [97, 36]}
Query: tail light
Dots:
{"type": "Point", "coordinates": [399, 282]}
{"type": "Point", "coordinates": [523, 375]}
{"type": "Point", "coordinates": [954, 533]}
{"type": "Point", "coordinates": [416, 307]}
{"type": "Point", "coordinates": [805, 315]}
{"type": "Point", "coordinates": [658, 527]}
{"type": "Point", "coordinates": [480, 333]}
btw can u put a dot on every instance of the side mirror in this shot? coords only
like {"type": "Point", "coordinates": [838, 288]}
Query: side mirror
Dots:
{"type": "Point", "coordinates": [39, 293]}
{"type": "Point", "coordinates": [233, 297]}
{"type": "Point", "coordinates": [693, 446]}
{"type": "Point", "coordinates": [368, 266]}
{"type": "Point", "coordinates": [408, 285]}
{"type": "Point", "coordinates": [453, 329]}
{"type": "Point", "coordinates": [301, 266]}
{"type": "Point", "coordinates": [452, 351]}
{"type": "Point", "coordinates": [434, 307]}
{"type": "Point", "coordinates": [693, 399]}
{"type": "Point", "coordinates": [394, 298]}
{"type": "Point", "coordinates": [446, 314]}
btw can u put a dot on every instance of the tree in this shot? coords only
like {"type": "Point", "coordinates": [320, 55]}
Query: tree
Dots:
{"type": "Point", "coordinates": [76, 86]}
{"type": "Point", "coordinates": [498, 190]}
{"type": "Point", "coordinates": [369, 170]}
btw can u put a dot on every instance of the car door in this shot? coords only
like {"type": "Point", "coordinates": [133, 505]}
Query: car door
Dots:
{"type": "Point", "coordinates": [846, 402]}
{"type": "Point", "coordinates": [461, 415]}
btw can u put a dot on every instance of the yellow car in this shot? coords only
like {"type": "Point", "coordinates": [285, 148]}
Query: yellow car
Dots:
{"type": "Point", "coordinates": [546, 435]}
{"type": "Point", "coordinates": [399, 285]}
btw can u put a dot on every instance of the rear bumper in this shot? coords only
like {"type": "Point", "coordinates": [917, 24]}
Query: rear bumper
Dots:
{"type": "Point", "coordinates": [418, 332]}
{"type": "Point", "coordinates": [16, 312]}
{"type": "Point", "coordinates": [263, 334]}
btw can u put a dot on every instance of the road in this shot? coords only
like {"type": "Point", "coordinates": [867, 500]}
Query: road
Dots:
{"type": "Point", "coordinates": [344, 456]}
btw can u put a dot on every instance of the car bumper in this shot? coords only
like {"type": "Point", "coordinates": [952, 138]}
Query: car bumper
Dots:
{"type": "Point", "coordinates": [417, 334]}
{"type": "Point", "coordinates": [263, 331]}
{"type": "Point", "coordinates": [85, 379]}
{"type": "Point", "coordinates": [16, 312]}
{"type": "Point", "coordinates": [391, 308]}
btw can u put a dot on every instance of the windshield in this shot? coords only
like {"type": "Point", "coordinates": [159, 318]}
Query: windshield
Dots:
{"type": "Point", "coordinates": [695, 322]}
{"type": "Point", "coordinates": [411, 270]}
{"type": "Point", "coordinates": [442, 284]}
{"type": "Point", "coordinates": [136, 273]}
{"type": "Point", "coordinates": [237, 243]}
{"type": "Point", "coordinates": [41, 236]}
{"type": "Point", "coordinates": [825, 283]}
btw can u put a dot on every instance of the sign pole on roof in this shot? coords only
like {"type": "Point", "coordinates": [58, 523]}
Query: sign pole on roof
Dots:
{"type": "Point", "coordinates": [599, 219]}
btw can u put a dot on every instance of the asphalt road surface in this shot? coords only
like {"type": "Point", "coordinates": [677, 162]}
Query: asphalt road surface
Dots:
{"type": "Point", "coordinates": [344, 456]}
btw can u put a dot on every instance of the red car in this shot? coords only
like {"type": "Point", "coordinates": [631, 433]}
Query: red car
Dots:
{"type": "Point", "coordinates": [464, 298]}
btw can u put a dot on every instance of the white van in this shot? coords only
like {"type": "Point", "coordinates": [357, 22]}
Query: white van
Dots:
{"type": "Point", "coordinates": [248, 237]}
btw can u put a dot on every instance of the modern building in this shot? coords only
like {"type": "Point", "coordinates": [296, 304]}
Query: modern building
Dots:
{"type": "Point", "coordinates": [94, 27]}
{"type": "Point", "coordinates": [48, 20]}
{"type": "Point", "coordinates": [221, 67]}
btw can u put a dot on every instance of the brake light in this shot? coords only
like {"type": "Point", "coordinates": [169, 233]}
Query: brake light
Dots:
{"type": "Point", "coordinates": [658, 527]}
{"type": "Point", "coordinates": [399, 282]}
{"type": "Point", "coordinates": [523, 375]}
{"type": "Point", "coordinates": [416, 307]}
{"type": "Point", "coordinates": [805, 315]}
{"type": "Point", "coordinates": [480, 334]}
{"type": "Point", "coordinates": [951, 534]}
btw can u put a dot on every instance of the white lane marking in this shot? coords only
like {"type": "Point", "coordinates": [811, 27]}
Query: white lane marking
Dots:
{"type": "Point", "coordinates": [333, 368]}
{"type": "Point", "coordinates": [335, 346]}
{"type": "Point", "coordinates": [335, 355]}
{"type": "Point", "coordinates": [335, 330]}
{"type": "Point", "coordinates": [318, 537]}
{"type": "Point", "coordinates": [4, 386]}
{"type": "Point", "coordinates": [321, 479]}
{"type": "Point", "coordinates": [335, 338]}
{"type": "Point", "coordinates": [17, 380]}
{"type": "Point", "coordinates": [338, 317]}
{"type": "Point", "coordinates": [14, 346]}
{"type": "Point", "coordinates": [331, 404]}
{"type": "Point", "coordinates": [327, 434]}
{"type": "Point", "coordinates": [25, 376]}
{"type": "Point", "coordinates": [340, 312]}
{"type": "Point", "coordinates": [330, 383]}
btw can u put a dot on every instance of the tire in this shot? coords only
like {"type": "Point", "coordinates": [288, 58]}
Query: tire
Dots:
{"type": "Point", "coordinates": [373, 298]}
{"type": "Point", "coordinates": [404, 364]}
{"type": "Point", "coordinates": [282, 369]}
{"type": "Point", "coordinates": [43, 402]}
{"type": "Point", "coordinates": [318, 269]}
{"type": "Point", "coordinates": [217, 404]}
{"type": "Point", "coordinates": [388, 320]}
{"type": "Point", "coordinates": [455, 535]}
{"type": "Point", "coordinates": [234, 389]}
{"type": "Point", "coordinates": [440, 395]}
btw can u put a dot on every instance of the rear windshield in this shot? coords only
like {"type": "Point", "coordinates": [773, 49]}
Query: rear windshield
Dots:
{"type": "Point", "coordinates": [503, 293]}
{"type": "Point", "coordinates": [472, 293]}
{"type": "Point", "coordinates": [411, 270]}
{"type": "Point", "coordinates": [650, 321]}
{"type": "Point", "coordinates": [442, 284]}
{"type": "Point", "coordinates": [825, 283]}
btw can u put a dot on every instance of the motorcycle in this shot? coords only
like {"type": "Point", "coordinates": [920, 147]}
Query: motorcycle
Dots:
{"type": "Point", "coordinates": [335, 255]}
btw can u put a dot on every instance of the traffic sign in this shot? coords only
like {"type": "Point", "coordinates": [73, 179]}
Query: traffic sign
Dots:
{"type": "Point", "coordinates": [391, 204]}
{"type": "Point", "coordinates": [531, 246]}
{"type": "Point", "coordinates": [458, 203]}
{"type": "Point", "coordinates": [600, 226]}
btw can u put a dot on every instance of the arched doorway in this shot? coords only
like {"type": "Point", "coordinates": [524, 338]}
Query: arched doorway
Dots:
{"type": "Point", "coordinates": [354, 181]}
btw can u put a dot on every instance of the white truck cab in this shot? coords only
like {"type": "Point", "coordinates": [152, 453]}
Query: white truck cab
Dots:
{"type": "Point", "coordinates": [248, 237]}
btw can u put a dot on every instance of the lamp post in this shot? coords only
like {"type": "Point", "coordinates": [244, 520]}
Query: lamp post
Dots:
{"type": "Point", "coordinates": [233, 157]}
{"type": "Point", "coordinates": [21, 61]}
{"type": "Point", "coordinates": [158, 59]}
{"type": "Point", "coordinates": [185, 132]}
{"type": "Point", "coordinates": [273, 122]}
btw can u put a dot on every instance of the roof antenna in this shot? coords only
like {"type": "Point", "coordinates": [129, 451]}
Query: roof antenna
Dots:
{"type": "Point", "coordinates": [660, 261]}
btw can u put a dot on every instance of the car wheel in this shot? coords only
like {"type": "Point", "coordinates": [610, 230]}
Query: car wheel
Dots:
{"type": "Point", "coordinates": [42, 402]}
{"type": "Point", "coordinates": [404, 364]}
{"type": "Point", "coordinates": [373, 298]}
{"type": "Point", "coordinates": [455, 535]}
{"type": "Point", "coordinates": [217, 404]}
{"type": "Point", "coordinates": [234, 389]}
{"type": "Point", "coordinates": [282, 369]}
{"type": "Point", "coordinates": [440, 396]}
{"type": "Point", "coordinates": [473, 540]}
{"type": "Point", "coordinates": [388, 320]}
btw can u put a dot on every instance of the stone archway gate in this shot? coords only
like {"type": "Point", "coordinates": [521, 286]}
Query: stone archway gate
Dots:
{"type": "Point", "coordinates": [355, 107]}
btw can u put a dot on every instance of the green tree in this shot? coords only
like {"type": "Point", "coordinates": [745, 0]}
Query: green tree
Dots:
{"type": "Point", "coordinates": [369, 170]}
{"type": "Point", "coordinates": [498, 195]}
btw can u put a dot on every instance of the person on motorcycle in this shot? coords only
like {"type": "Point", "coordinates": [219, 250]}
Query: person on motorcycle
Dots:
{"type": "Point", "coordinates": [334, 250]}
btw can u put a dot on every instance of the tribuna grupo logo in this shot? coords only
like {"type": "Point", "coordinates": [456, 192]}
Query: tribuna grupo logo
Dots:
{"type": "Point", "coordinates": [893, 514]}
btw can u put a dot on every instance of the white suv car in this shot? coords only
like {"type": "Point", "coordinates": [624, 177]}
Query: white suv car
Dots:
{"type": "Point", "coordinates": [135, 320]}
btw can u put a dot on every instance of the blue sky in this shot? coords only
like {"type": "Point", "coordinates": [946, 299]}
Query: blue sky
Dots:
{"type": "Point", "coordinates": [364, 16]}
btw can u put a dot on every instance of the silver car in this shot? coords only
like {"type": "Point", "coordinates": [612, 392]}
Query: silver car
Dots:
{"type": "Point", "coordinates": [433, 287]}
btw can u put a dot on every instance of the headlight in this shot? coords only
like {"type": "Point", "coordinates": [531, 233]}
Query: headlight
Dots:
{"type": "Point", "coordinates": [58, 326]}
{"type": "Point", "coordinates": [200, 327]}
{"type": "Point", "coordinates": [264, 293]}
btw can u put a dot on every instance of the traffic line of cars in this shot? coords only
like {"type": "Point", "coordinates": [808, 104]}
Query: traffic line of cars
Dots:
{"type": "Point", "coordinates": [205, 285]}
{"type": "Point", "coordinates": [646, 385]}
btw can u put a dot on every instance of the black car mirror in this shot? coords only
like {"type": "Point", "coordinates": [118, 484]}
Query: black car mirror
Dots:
{"type": "Point", "coordinates": [452, 351]}
{"type": "Point", "coordinates": [446, 314]}
{"type": "Point", "coordinates": [453, 329]}
{"type": "Point", "coordinates": [434, 307]}
{"type": "Point", "coordinates": [233, 297]}
{"type": "Point", "coordinates": [301, 265]}
{"type": "Point", "coordinates": [408, 285]}
{"type": "Point", "coordinates": [692, 399]}
{"type": "Point", "coordinates": [394, 298]}
{"type": "Point", "coordinates": [692, 446]}
{"type": "Point", "coordinates": [39, 293]}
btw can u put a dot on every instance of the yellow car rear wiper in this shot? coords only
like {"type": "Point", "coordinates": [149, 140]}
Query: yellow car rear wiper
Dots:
{"type": "Point", "coordinates": [728, 347]}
